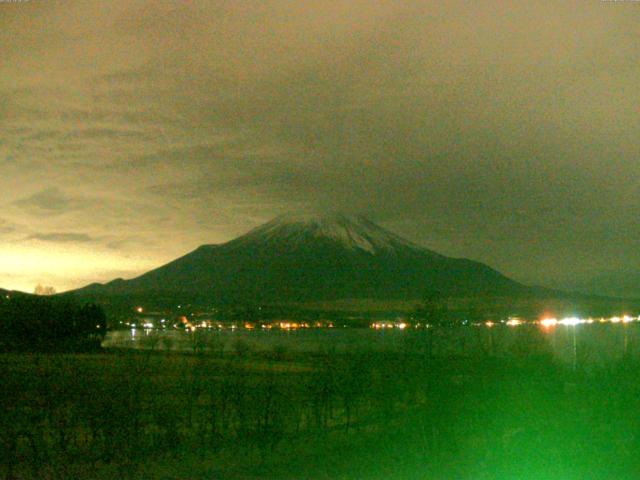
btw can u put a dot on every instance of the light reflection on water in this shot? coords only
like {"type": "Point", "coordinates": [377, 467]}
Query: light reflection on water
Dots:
{"type": "Point", "coordinates": [583, 344]}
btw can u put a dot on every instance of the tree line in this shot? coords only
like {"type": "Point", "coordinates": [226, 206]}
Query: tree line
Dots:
{"type": "Point", "coordinates": [36, 323]}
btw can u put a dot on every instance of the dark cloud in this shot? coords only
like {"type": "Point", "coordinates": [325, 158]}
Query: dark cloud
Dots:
{"type": "Point", "coordinates": [6, 227]}
{"type": "Point", "coordinates": [45, 135]}
{"type": "Point", "coordinates": [107, 133]}
{"type": "Point", "coordinates": [50, 201]}
{"type": "Point", "coordinates": [61, 237]}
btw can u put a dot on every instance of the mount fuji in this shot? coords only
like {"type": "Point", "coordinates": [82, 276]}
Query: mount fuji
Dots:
{"type": "Point", "coordinates": [301, 258]}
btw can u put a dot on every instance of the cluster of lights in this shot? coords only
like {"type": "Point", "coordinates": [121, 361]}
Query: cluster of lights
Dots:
{"type": "Point", "coordinates": [297, 325]}
{"type": "Point", "coordinates": [389, 325]}
{"type": "Point", "coordinates": [547, 322]}
{"type": "Point", "coordinates": [573, 321]}
{"type": "Point", "coordinates": [206, 324]}
{"type": "Point", "coordinates": [292, 325]}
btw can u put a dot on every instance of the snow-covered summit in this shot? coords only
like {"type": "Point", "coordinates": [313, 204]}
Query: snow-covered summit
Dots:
{"type": "Point", "coordinates": [351, 231]}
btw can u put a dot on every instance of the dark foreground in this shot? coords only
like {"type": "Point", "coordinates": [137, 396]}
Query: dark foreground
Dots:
{"type": "Point", "coordinates": [156, 415]}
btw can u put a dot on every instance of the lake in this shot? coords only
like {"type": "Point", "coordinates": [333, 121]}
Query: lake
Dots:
{"type": "Point", "coordinates": [582, 344]}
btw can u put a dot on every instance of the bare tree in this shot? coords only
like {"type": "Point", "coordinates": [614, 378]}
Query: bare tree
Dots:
{"type": "Point", "coordinates": [44, 290]}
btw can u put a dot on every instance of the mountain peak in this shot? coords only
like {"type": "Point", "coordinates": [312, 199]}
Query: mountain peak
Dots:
{"type": "Point", "coordinates": [310, 257]}
{"type": "Point", "coordinates": [354, 232]}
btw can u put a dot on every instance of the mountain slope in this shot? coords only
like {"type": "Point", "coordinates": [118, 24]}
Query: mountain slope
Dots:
{"type": "Point", "coordinates": [308, 257]}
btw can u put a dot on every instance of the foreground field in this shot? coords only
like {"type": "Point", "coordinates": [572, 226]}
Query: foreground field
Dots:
{"type": "Point", "coordinates": [157, 415]}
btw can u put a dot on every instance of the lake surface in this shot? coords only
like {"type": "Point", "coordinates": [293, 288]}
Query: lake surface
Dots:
{"type": "Point", "coordinates": [584, 344]}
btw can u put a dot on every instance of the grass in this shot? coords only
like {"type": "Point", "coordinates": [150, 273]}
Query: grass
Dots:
{"type": "Point", "coordinates": [158, 415]}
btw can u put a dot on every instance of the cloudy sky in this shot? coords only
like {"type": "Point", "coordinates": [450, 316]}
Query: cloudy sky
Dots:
{"type": "Point", "coordinates": [133, 131]}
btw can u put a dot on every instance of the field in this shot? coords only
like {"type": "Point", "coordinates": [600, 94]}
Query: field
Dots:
{"type": "Point", "coordinates": [323, 415]}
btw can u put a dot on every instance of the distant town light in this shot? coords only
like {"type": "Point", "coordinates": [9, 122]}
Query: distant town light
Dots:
{"type": "Point", "coordinates": [571, 321]}
{"type": "Point", "coordinates": [548, 322]}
